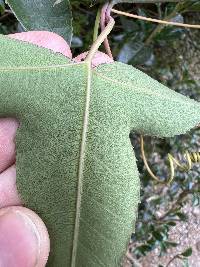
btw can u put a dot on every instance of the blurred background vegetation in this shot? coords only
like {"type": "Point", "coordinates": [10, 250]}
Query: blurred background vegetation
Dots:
{"type": "Point", "coordinates": [172, 56]}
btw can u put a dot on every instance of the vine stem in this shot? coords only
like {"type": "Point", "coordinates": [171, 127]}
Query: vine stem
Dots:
{"type": "Point", "coordinates": [155, 20]}
{"type": "Point", "coordinates": [108, 7]}
{"type": "Point", "coordinates": [100, 40]}
{"type": "Point", "coordinates": [159, 27]}
{"type": "Point", "coordinates": [114, 2]}
{"type": "Point", "coordinates": [178, 256]}
{"type": "Point", "coordinates": [105, 16]}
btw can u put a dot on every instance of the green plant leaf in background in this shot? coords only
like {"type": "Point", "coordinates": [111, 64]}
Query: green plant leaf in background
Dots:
{"type": "Point", "coordinates": [49, 15]}
{"type": "Point", "coordinates": [189, 5]}
{"type": "Point", "coordinates": [88, 199]}
{"type": "Point", "coordinates": [2, 7]}
{"type": "Point", "coordinates": [187, 252]}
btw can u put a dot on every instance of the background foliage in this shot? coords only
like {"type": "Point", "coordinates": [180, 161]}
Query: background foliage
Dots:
{"type": "Point", "coordinates": [170, 55]}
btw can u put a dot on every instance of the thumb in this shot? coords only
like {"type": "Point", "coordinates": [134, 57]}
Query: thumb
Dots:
{"type": "Point", "coordinates": [24, 240]}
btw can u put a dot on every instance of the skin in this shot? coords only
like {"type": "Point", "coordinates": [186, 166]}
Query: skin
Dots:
{"type": "Point", "coordinates": [24, 239]}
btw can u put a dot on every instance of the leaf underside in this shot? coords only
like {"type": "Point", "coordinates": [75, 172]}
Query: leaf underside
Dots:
{"type": "Point", "coordinates": [44, 15]}
{"type": "Point", "coordinates": [47, 93]}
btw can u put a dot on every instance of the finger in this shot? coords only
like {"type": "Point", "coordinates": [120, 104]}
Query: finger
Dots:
{"type": "Point", "coordinates": [45, 39]}
{"type": "Point", "coordinates": [8, 128]}
{"type": "Point", "coordinates": [98, 59]}
{"type": "Point", "coordinates": [8, 188]}
{"type": "Point", "coordinates": [24, 239]}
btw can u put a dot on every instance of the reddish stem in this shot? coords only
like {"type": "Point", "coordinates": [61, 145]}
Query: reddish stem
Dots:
{"type": "Point", "coordinates": [105, 18]}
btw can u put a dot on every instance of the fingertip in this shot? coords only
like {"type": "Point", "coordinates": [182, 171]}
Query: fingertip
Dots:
{"type": "Point", "coordinates": [98, 59]}
{"type": "Point", "coordinates": [8, 128]}
{"type": "Point", "coordinates": [45, 39]}
{"type": "Point", "coordinates": [8, 189]}
{"type": "Point", "coordinates": [24, 239]}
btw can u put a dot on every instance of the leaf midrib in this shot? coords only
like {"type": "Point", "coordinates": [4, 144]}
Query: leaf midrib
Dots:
{"type": "Point", "coordinates": [81, 164]}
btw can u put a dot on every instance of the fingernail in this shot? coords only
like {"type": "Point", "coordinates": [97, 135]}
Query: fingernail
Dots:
{"type": "Point", "coordinates": [19, 240]}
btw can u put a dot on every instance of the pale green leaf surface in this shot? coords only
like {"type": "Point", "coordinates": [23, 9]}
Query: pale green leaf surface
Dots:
{"type": "Point", "coordinates": [47, 93]}
{"type": "Point", "coordinates": [154, 109]}
{"type": "Point", "coordinates": [48, 15]}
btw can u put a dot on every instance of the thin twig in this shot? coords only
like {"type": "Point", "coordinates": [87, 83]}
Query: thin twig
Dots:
{"type": "Point", "coordinates": [179, 201]}
{"type": "Point", "coordinates": [9, 11]}
{"type": "Point", "coordinates": [105, 17]}
{"type": "Point", "coordinates": [144, 1]}
{"type": "Point", "coordinates": [155, 20]}
{"type": "Point", "coordinates": [159, 27]}
{"type": "Point", "coordinates": [100, 40]}
{"type": "Point", "coordinates": [129, 256]}
{"type": "Point", "coordinates": [175, 205]}
{"type": "Point", "coordinates": [178, 256]}
{"type": "Point", "coordinates": [4, 16]}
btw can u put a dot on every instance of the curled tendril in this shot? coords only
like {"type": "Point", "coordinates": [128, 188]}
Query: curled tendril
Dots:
{"type": "Point", "coordinates": [191, 158]}
{"type": "Point", "coordinates": [105, 18]}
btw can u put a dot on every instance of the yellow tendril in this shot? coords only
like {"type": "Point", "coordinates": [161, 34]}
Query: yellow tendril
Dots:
{"type": "Point", "coordinates": [193, 157]}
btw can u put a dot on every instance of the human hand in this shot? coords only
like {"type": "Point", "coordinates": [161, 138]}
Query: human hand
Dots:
{"type": "Point", "coordinates": [24, 239]}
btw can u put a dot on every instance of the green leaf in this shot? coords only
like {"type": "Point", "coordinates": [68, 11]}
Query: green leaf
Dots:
{"type": "Point", "coordinates": [196, 199]}
{"type": "Point", "coordinates": [189, 5]}
{"type": "Point", "coordinates": [187, 252]}
{"type": "Point", "coordinates": [185, 262]}
{"type": "Point", "coordinates": [151, 242]}
{"type": "Point", "coordinates": [182, 216]}
{"type": "Point", "coordinates": [54, 16]}
{"type": "Point", "coordinates": [171, 223]}
{"type": "Point", "coordinates": [143, 250]}
{"type": "Point", "coordinates": [75, 164]}
{"type": "Point", "coordinates": [195, 7]}
{"type": "Point", "coordinates": [2, 6]}
{"type": "Point", "coordinates": [157, 235]}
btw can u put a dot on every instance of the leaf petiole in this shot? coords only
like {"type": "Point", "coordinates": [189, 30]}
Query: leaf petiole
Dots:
{"type": "Point", "coordinates": [100, 40]}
